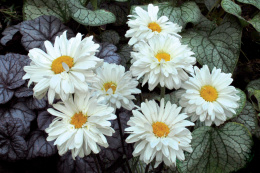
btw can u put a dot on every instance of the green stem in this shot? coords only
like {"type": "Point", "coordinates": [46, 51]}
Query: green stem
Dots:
{"type": "Point", "coordinates": [162, 92]}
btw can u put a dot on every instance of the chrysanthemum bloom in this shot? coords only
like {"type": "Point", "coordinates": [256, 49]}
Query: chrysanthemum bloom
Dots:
{"type": "Point", "coordinates": [209, 96]}
{"type": "Point", "coordinates": [116, 86]}
{"type": "Point", "coordinates": [145, 25]}
{"type": "Point", "coordinates": [162, 60]}
{"type": "Point", "coordinates": [159, 132]}
{"type": "Point", "coordinates": [80, 125]}
{"type": "Point", "coordinates": [64, 69]}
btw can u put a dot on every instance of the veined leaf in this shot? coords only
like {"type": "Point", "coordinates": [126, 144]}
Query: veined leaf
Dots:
{"type": "Point", "coordinates": [247, 117]}
{"type": "Point", "coordinates": [217, 47]}
{"type": "Point", "coordinates": [36, 8]}
{"type": "Point", "coordinates": [88, 17]}
{"type": "Point", "coordinates": [218, 150]}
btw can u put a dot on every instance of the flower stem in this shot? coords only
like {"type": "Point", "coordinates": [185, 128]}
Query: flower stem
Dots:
{"type": "Point", "coordinates": [122, 141]}
{"type": "Point", "coordinates": [162, 92]}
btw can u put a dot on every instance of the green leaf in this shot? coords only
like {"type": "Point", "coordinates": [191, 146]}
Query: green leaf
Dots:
{"type": "Point", "coordinates": [121, 0]}
{"type": "Point", "coordinates": [187, 12]}
{"type": "Point", "coordinates": [247, 118]}
{"type": "Point", "coordinates": [88, 17]}
{"type": "Point", "coordinates": [232, 8]}
{"type": "Point", "coordinates": [110, 36]}
{"type": "Point", "coordinates": [219, 150]}
{"type": "Point", "coordinates": [217, 47]}
{"type": "Point", "coordinates": [35, 8]}
{"type": "Point", "coordinates": [256, 3]}
{"type": "Point", "coordinates": [256, 22]}
{"type": "Point", "coordinates": [253, 89]}
{"type": "Point", "coordinates": [137, 166]}
{"type": "Point", "coordinates": [241, 102]}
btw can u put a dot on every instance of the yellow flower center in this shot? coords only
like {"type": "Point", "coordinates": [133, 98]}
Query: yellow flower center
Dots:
{"type": "Point", "coordinates": [209, 93]}
{"type": "Point", "coordinates": [56, 65]}
{"type": "Point", "coordinates": [160, 129]}
{"type": "Point", "coordinates": [78, 119]}
{"type": "Point", "coordinates": [164, 56]}
{"type": "Point", "coordinates": [111, 85]}
{"type": "Point", "coordinates": [154, 27]}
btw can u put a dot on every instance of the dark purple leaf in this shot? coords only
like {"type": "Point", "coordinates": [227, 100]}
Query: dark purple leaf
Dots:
{"type": "Point", "coordinates": [23, 92]}
{"type": "Point", "coordinates": [114, 152]}
{"type": "Point", "coordinates": [107, 52]}
{"type": "Point", "coordinates": [19, 111]}
{"type": "Point", "coordinates": [12, 146]}
{"type": "Point", "coordinates": [9, 33]}
{"type": "Point", "coordinates": [34, 103]}
{"type": "Point", "coordinates": [11, 73]}
{"type": "Point", "coordinates": [43, 28]}
{"type": "Point", "coordinates": [110, 36]}
{"type": "Point", "coordinates": [67, 165]}
{"type": "Point", "coordinates": [39, 147]}
{"type": "Point", "coordinates": [44, 119]}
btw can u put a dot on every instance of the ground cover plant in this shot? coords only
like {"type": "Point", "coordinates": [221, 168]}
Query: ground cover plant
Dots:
{"type": "Point", "coordinates": [129, 86]}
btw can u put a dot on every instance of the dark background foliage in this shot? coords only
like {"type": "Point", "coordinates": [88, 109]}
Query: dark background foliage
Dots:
{"type": "Point", "coordinates": [23, 119]}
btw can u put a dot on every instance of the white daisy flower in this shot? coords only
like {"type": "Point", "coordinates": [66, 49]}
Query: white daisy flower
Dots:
{"type": "Point", "coordinates": [64, 69]}
{"type": "Point", "coordinates": [159, 132]}
{"type": "Point", "coordinates": [80, 125]}
{"type": "Point", "coordinates": [146, 25]}
{"type": "Point", "coordinates": [209, 96]}
{"type": "Point", "coordinates": [116, 86]}
{"type": "Point", "coordinates": [162, 60]}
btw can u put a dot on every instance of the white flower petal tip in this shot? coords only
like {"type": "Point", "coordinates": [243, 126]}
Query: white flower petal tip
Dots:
{"type": "Point", "coordinates": [159, 132]}
{"type": "Point", "coordinates": [115, 86]}
{"type": "Point", "coordinates": [162, 60]}
{"type": "Point", "coordinates": [145, 24]}
{"type": "Point", "coordinates": [208, 97]}
{"type": "Point", "coordinates": [81, 125]}
{"type": "Point", "coordinates": [65, 67]}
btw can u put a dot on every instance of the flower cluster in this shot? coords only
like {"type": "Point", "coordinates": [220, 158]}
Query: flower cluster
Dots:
{"type": "Point", "coordinates": [159, 57]}
{"type": "Point", "coordinates": [70, 71]}
{"type": "Point", "coordinates": [91, 90]}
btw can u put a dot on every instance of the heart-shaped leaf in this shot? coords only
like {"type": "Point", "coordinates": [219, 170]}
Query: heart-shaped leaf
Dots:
{"type": "Point", "coordinates": [39, 147]}
{"type": "Point", "coordinates": [9, 33]}
{"type": "Point", "coordinates": [85, 16]}
{"type": "Point", "coordinates": [110, 36]}
{"type": "Point", "coordinates": [107, 52]}
{"type": "Point", "coordinates": [12, 146]}
{"type": "Point", "coordinates": [11, 73]}
{"type": "Point", "coordinates": [247, 117]}
{"type": "Point", "coordinates": [19, 111]}
{"type": "Point", "coordinates": [219, 47]}
{"type": "Point", "coordinates": [224, 149]}
{"type": "Point", "coordinates": [43, 28]}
